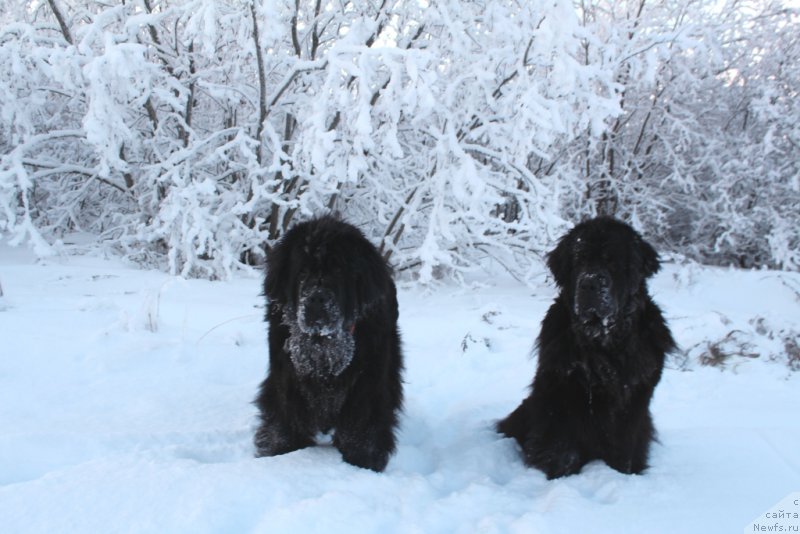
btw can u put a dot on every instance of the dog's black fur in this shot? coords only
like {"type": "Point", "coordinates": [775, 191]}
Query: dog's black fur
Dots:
{"type": "Point", "coordinates": [601, 352]}
{"type": "Point", "coordinates": [335, 359]}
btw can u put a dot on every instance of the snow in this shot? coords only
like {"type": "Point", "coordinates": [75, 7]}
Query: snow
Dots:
{"type": "Point", "coordinates": [125, 407]}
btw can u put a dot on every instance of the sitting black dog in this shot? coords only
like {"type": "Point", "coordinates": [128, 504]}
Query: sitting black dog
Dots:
{"type": "Point", "coordinates": [335, 361]}
{"type": "Point", "coordinates": [601, 352]}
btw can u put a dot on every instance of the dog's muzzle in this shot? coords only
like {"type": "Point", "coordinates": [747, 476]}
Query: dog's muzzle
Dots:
{"type": "Point", "coordinates": [594, 305]}
{"type": "Point", "coordinates": [319, 344]}
{"type": "Point", "coordinates": [318, 312]}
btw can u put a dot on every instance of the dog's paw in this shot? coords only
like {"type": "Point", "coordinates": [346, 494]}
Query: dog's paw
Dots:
{"type": "Point", "coordinates": [272, 440]}
{"type": "Point", "coordinates": [364, 450]}
{"type": "Point", "coordinates": [367, 459]}
{"type": "Point", "coordinates": [553, 461]}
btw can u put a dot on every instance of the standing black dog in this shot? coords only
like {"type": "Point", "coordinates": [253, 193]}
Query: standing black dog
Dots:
{"type": "Point", "coordinates": [601, 352]}
{"type": "Point", "coordinates": [335, 361]}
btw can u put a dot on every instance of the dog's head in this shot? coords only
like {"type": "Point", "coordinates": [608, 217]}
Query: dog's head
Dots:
{"type": "Point", "coordinates": [325, 275]}
{"type": "Point", "coordinates": [601, 266]}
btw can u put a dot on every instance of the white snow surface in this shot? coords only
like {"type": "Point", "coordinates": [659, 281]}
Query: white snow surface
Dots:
{"type": "Point", "coordinates": [125, 406]}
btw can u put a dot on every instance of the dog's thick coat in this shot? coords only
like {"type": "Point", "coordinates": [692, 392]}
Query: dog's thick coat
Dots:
{"type": "Point", "coordinates": [335, 359]}
{"type": "Point", "coordinates": [601, 353]}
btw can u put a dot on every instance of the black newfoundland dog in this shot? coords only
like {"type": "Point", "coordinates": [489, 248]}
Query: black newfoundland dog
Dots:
{"type": "Point", "coordinates": [334, 348]}
{"type": "Point", "coordinates": [601, 352]}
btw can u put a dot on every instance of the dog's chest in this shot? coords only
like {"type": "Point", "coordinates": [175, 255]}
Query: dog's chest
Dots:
{"type": "Point", "coordinates": [602, 379]}
{"type": "Point", "coordinates": [324, 404]}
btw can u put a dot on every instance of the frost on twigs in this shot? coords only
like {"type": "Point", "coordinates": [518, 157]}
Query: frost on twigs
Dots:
{"type": "Point", "coordinates": [760, 340]}
{"type": "Point", "coordinates": [792, 347]}
{"type": "Point", "coordinates": [456, 135]}
{"type": "Point", "coordinates": [727, 349]}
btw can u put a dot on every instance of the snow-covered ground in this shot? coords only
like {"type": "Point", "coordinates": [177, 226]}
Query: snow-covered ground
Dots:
{"type": "Point", "coordinates": [125, 406]}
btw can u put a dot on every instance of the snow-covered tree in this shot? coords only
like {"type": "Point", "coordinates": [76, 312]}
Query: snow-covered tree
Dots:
{"type": "Point", "coordinates": [193, 133]}
{"type": "Point", "coordinates": [701, 155]}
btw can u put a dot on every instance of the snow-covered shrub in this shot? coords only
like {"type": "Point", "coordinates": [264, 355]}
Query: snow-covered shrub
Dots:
{"type": "Point", "coordinates": [701, 156]}
{"type": "Point", "coordinates": [193, 133]}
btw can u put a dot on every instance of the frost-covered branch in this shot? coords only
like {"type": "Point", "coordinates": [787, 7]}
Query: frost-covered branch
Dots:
{"type": "Point", "coordinates": [191, 135]}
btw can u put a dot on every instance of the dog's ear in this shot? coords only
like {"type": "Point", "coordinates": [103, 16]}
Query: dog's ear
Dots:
{"type": "Point", "coordinates": [648, 256]}
{"type": "Point", "coordinates": [559, 260]}
{"type": "Point", "coordinates": [277, 283]}
{"type": "Point", "coordinates": [373, 281]}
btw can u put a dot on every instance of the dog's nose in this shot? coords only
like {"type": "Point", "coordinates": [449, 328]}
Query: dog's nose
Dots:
{"type": "Point", "coordinates": [593, 295]}
{"type": "Point", "coordinates": [593, 282]}
{"type": "Point", "coordinates": [316, 307]}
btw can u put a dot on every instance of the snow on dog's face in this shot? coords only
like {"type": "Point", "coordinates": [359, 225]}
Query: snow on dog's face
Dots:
{"type": "Point", "coordinates": [319, 306]}
{"type": "Point", "coordinates": [319, 355]}
{"type": "Point", "coordinates": [321, 341]}
{"type": "Point", "coordinates": [601, 266]}
{"type": "Point", "coordinates": [321, 275]}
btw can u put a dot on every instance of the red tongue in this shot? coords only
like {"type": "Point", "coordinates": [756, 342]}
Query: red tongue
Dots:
{"type": "Point", "coordinates": [353, 329]}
